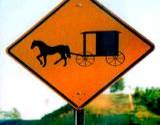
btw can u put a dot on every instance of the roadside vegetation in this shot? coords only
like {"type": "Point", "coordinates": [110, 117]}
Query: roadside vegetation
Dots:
{"type": "Point", "coordinates": [114, 108]}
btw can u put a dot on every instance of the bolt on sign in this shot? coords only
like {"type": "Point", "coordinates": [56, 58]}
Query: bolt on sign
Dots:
{"type": "Point", "coordinates": [79, 49]}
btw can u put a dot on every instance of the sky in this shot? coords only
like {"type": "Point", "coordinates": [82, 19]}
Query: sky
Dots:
{"type": "Point", "coordinates": [20, 89]}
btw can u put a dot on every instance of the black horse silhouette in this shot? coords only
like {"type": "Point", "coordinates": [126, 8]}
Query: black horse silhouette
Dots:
{"type": "Point", "coordinates": [46, 50]}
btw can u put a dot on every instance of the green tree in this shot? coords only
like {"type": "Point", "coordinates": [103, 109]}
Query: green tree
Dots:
{"type": "Point", "coordinates": [150, 97]}
{"type": "Point", "coordinates": [117, 86]}
{"type": "Point", "coordinates": [13, 114]}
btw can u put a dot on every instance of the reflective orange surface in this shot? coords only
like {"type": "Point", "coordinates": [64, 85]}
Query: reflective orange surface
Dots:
{"type": "Point", "coordinates": [65, 26]}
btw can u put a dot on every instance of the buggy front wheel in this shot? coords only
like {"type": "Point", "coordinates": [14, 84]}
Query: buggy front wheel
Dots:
{"type": "Point", "coordinates": [85, 61]}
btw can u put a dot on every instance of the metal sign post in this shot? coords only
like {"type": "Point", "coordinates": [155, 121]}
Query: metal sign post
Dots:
{"type": "Point", "coordinates": [79, 117]}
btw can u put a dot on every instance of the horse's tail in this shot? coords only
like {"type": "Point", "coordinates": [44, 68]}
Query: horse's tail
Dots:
{"type": "Point", "coordinates": [68, 52]}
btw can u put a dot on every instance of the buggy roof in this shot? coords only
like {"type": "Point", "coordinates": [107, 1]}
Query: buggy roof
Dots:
{"type": "Point", "coordinates": [94, 32]}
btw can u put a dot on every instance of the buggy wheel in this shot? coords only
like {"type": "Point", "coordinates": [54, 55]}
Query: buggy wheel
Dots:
{"type": "Point", "coordinates": [85, 61]}
{"type": "Point", "coordinates": [116, 60]}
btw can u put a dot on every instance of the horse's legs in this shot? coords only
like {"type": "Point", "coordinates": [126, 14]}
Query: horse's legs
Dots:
{"type": "Point", "coordinates": [58, 60]}
{"type": "Point", "coordinates": [65, 61]}
{"type": "Point", "coordinates": [38, 57]}
{"type": "Point", "coordinates": [64, 58]}
{"type": "Point", "coordinates": [45, 60]}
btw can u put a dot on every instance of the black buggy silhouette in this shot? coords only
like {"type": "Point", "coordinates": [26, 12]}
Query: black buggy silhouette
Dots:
{"type": "Point", "coordinates": [107, 45]}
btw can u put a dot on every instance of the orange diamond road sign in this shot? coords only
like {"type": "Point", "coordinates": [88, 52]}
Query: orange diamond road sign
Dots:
{"type": "Point", "coordinates": [79, 49]}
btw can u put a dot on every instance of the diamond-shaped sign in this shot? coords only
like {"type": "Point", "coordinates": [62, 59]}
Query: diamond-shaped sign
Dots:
{"type": "Point", "coordinates": [79, 49]}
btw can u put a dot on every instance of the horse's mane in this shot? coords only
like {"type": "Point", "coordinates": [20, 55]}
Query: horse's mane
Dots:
{"type": "Point", "coordinates": [40, 43]}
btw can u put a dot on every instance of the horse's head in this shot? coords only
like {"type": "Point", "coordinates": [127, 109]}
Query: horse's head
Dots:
{"type": "Point", "coordinates": [34, 44]}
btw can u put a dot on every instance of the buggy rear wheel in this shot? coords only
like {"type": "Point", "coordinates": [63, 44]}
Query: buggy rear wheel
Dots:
{"type": "Point", "coordinates": [85, 61]}
{"type": "Point", "coordinates": [116, 60]}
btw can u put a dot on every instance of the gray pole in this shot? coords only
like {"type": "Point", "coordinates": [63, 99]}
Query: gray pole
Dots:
{"type": "Point", "coordinates": [79, 117]}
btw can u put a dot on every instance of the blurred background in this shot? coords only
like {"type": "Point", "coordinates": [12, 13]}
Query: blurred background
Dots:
{"type": "Point", "coordinates": [23, 96]}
